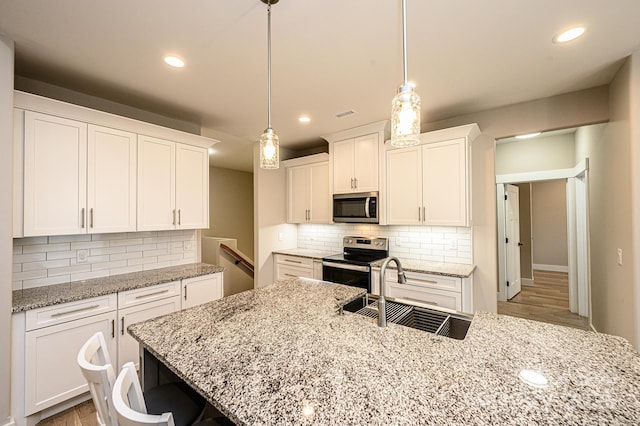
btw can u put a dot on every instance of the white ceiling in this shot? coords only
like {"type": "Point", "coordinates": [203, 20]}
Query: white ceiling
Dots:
{"type": "Point", "coordinates": [328, 56]}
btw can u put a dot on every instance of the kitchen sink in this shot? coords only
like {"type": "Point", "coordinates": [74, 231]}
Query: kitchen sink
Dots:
{"type": "Point", "coordinates": [442, 323]}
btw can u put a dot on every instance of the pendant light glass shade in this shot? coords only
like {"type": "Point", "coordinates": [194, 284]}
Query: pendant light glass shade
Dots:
{"type": "Point", "coordinates": [405, 117]}
{"type": "Point", "coordinates": [269, 150]}
{"type": "Point", "coordinates": [405, 107]}
{"type": "Point", "coordinates": [269, 141]}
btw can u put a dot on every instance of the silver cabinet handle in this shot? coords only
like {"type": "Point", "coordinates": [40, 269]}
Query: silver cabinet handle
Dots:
{"type": "Point", "coordinates": [419, 220]}
{"type": "Point", "coordinates": [174, 216]}
{"type": "Point", "coordinates": [185, 292]}
{"type": "Point", "coordinates": [144, 296]}
{"type": "Point", "coordinates": [179, 216]}
{"type": "Point", "coordinates": [82, 218]}
{"type": "Point", "coordinates": [74, 311]}
{"type": "Point", "coordinates": [113, 329]}
{"type": "Point", "coordinates": [424, 214]}
{"type": "Point", "coordinates": [91, 217]}
{"type": "Point", "coordinates": [292, 261]}
{"type": "Point", "coordinates": [122, 330]}
{"type": "Point", "coordinates": [355, 180]}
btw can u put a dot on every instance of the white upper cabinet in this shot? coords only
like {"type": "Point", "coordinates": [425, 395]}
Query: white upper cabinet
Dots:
{"type": "Point", "coordinates": [111, 180]}
{"type": "Point", "coordinates": [192, 187]}
{"type": "Point", "coordinates": [173, 185]}
{"type": "Point", "coordinates": [355, 164]}
{"type": "Point", "coordinates": [355, 158]}
{"type": "Point", "coordinates": [308, 196]}
{"type": "Point", "coordinates": [79, 171]}
{"type": "Point", "coordinates": [429, 184]}
{"type": "Point", "coordinates": [55, 175]}
{"type": "Point", "coordinates": [156, 184]}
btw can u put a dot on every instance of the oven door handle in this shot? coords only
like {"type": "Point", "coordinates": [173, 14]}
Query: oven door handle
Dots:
{"type": "Point", "coordinates": [346, 266]}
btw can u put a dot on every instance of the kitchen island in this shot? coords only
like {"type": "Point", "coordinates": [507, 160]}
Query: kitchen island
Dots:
{"type": "Point", "coordinates": [283, 354]}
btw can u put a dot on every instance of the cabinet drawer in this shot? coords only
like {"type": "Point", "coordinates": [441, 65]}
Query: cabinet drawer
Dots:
{"type": "Point", "coordinates": [441, 298]}
{"type": "Point", "coordinates": [148, 294]}
{"type": "Point", "coordinates": [294, 260]}
{"type": "Point", "coordinates": [285, 272]}
{"type": "Point", "coordinates": [58, 314]}
{"type": "Point", "coordinates": [427, 281]}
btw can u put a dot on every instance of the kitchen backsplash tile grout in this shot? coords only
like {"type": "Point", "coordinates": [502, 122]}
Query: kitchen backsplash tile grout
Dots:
{"type": "Point", "coordinates": [40, 261]}
{"type": "Point", "coordinates": [429, 243]}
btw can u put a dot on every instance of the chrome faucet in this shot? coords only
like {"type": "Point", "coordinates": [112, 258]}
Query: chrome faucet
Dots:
{"type": "Point", "coordinates": [382, 303]}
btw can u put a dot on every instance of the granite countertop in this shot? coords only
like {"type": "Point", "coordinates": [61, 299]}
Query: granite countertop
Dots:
{"type": "Point", "coordinates": [283, 355]}
{"type": "Point", "coordinates": [436, 268]}
{"type": "Point", "coordinates": [308, 253]}
{"type": "Point", "coordinates": [38, 297]}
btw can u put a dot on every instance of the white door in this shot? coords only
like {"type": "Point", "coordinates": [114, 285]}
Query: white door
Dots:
{"type": "Point", "coordinates": [111, 180]}
{"type": "Point", "coordinates": [444, 175]}
{"type": "Point", "coordinates": [298, 194]}
{"type": "Point", "coordinates": [320, 200]}
{"type": "Point", "coordinates": [343, 173]}
{"type": "Point", "coordinates": [156, 184]}
{"type": "Point", "coordinates": [128, 347]}
{"type": "Point", "coordinates": [512, 240]}
{"type": "Point", "coordinates": [366, 163]}
{"type": "Point", "coordinates": [192, 187]}
{"type": "Point", "coordinates": [55, 175]}
{"type": "Point", "coordinates": [404, 186]}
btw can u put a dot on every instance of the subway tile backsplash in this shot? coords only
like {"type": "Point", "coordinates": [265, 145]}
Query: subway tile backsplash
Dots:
{"type": "Point", "coordinates": [430, 243]}
{"type": "Point", "coordinates": [40, 261]}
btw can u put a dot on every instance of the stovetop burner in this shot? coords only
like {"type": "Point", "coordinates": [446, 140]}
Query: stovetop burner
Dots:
{"type": "Point", "coordinates": [361, 250]}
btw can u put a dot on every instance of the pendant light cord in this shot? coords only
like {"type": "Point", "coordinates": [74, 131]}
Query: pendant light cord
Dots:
{"type": "Point", "coordinates": [404, 39]}
{"type": "Point", "coordinates": [269, 64]}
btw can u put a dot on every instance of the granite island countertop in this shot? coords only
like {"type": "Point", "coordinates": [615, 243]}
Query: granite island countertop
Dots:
{"type": "Point", "coordinates": [38, 297]}
{"type": "Point", "coordinates": [282, 354]}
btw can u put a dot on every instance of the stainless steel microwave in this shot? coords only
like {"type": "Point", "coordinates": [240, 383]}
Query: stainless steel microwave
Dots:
{"type": "Point", "coordinates": [359, 207]}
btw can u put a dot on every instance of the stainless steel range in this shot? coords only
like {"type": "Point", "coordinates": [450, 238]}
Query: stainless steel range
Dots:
{"type": "Point", "coordinates": [353, 266]}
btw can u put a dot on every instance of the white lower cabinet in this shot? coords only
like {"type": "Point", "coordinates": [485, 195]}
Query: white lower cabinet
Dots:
{"type": "Point", "coordinates": [437, 290]}
{"type": "Point", "coordinates": [138, 305]}
{"type": "Point", "coordinates": [196, 291]}
{"type": "Point", "coordinates": [52, 338]}
{"type": "Point", "coordinates": [288, 266]}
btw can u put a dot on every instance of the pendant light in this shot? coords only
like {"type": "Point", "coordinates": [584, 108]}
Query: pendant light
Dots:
{"type": "Point", "coordinates": [405, 107]}
{"type": "Point", "coordinates": [269, 142]}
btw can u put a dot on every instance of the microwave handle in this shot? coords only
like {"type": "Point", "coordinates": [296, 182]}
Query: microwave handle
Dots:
{"type": "Point", "coordinates": [366, 207]}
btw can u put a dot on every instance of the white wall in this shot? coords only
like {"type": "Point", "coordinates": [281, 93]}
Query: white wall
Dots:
{"type": "Point", "coordinates": [635, 181]}
{"type": "Point", "coordinates": [6, 212]}
{"type": "Point", "coordinates": [531, 155]}
{"type": "Point", "coordinates": [271, 231]}
{"type": "Point", "coordinates": [549, 225]}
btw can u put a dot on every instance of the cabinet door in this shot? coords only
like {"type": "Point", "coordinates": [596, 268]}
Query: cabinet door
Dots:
{"type": "Point", "coordinates": [320, 198]}
{"type": "Point", "coordinates": [444, 168]}
{"type": "Point", "coordinates": [404, 186]}
{"type": "Point", "coordinates": [343, 166]}
{"type": "Point", "coordinates": [111, 180]}
{"type": "Point", "coordinates": [366, 163]}
{"type": "Point", "coordinates": [196, 291]}
{"type": "Point", "coordinates": [156, 184]}
{"type": "Point", "coordinates": [192, 187]}
{"type": "Point", "coordinates": [55, 175]}
{"type": "Point", "coordinates": [128, 347]}
{"type": "Point", "coordinates": [52, 375]}
{"type": "Point", "coordinates": [298, 194]}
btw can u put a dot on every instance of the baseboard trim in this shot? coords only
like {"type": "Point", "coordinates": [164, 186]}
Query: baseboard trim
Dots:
{"type": "Point", "coordinates": [551, 268]}
{"type": "Point", "coordinates": [526, 281]}
{"type": "Point", "coordinates": [9, 422]}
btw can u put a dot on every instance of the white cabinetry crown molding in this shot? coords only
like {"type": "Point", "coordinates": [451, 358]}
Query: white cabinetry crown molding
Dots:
{"type": "Point", "coordinates": [309, 159]}
{"type": "Point", "coordinates": [377, 127]}
{"type": "Point", "coordinates": [470, 131]}
{"type": "Point", "coordinates": [41, 104]}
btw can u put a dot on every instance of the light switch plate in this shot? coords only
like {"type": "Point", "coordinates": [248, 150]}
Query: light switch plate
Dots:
{"type": "Point", "coordinates": [619, 255]}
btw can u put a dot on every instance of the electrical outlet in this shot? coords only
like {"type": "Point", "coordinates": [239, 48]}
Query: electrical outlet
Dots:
{"type": "Point", "coordinates": [187, 245]}
{"type": "Point", "coordinates": [280, 236]}
{"type": "Point", "coordinates": [619, 253]}
{"type": "Point", "coordinates": [82, 256]}
{"type": "Point", "coordinates": [453, 244]}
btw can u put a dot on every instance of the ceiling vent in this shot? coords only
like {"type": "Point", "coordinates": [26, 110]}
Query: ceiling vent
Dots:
{"type": "Point", "coordinates": [345, 113]}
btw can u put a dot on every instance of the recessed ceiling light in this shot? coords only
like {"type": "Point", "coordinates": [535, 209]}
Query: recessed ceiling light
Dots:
{"type": "Point", "coordinates": [174, 61]}
{"type": "Point", "coordinates": [528, 135]}
{"type": "Point", "coordinates": [568, 35]}
{"type": "Point", "coordinates": [304, 119]}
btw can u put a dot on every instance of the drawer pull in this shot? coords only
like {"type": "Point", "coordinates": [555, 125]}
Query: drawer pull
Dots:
{"type": "Point", "coordinates": [122, 329]}
{"type": "Point", "coordinates": [74, 311]}
{"type": "Point", "coordinates": [420, 301]}
{"type": "Point", "coordinates": [292, 261]}
{"type": "Point", "coordinates": [144, 296]}
{"type": "Point", "coordinates": [185, 292]}
{"type": "Point", "coordinates": [291, 275]}
{"type": "Point", "coordinates": [424, 281]}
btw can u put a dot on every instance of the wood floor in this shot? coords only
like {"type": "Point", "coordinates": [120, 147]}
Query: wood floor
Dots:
{"type": "Point", "coordinates": [547, 301]}
{"type": "Point", "coordinates": [81, 415]}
